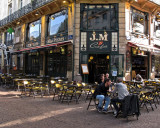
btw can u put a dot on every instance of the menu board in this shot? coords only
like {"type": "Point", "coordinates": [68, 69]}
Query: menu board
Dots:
{"type": "Point", "coordinates": [84, 69]}
{"type": "Point", "coordinates": [128, 61]}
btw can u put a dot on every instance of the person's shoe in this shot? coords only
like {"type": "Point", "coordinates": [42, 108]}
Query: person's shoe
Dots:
{"type": "Point", "coordinates": [115, 114]}
{"type": "Point", "coordinates": [99, 109]}
{"type": "Point", "coordinates": [105, 111]}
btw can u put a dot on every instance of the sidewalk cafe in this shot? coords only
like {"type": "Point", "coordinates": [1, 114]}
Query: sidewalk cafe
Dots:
{"type": "Point", "coordinates": [65, 91]}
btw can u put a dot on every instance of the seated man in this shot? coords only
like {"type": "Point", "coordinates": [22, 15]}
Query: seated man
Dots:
{"type": "Point", "coordinates": [122, 91]}
{"type": "Point", "coordinates": [101, 94]}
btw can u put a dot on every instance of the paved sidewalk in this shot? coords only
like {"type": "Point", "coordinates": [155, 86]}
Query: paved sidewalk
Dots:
{"type": "Point", "coordinates": [27, 112]}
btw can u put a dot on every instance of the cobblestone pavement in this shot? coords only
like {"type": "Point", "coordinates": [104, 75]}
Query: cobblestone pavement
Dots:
{"type": "Point", "coordinates": [27, 112]}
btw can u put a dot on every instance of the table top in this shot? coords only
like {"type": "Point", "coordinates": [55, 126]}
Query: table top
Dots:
{"type": "Point", "coordinates": [27, 79]}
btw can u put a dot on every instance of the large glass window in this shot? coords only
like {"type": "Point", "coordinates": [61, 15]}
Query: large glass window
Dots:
{"type": "Point", "coordinates": [103, 17]}
{"type": "Point", "coordinates": [9, 38]}
{"type": "Point", "coordinates": [139, 22]}
{"type": "Point", "coordinates": [58, 23]}
{"type": "Point", "coordinates": [157, 66]}
{"type": "Point", "coordinates": [157, 25]}
{"type": "Point", "coordinates": [157, 29]}
{"type": "Point", "coordinates": [32, 63]}
{"type": "Point", "coordinates": [117, 62]}
{"type": "Point", "coordinates": [34, 30]}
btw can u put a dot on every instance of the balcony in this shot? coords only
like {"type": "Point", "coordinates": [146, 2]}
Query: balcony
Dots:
{"type": "Point", "coordinates": [23, 11]}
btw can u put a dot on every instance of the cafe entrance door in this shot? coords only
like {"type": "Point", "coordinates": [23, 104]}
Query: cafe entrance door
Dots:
{"type": "Point", "coordinates": [98, 64]}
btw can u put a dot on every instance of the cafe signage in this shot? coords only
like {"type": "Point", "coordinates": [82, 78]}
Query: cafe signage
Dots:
{"type": "Point", "coordinates": [55, 39]}
{"type": "Point", "coordinates": [98, 41]}
{"type": "Point", "coordinates": [32, 43]}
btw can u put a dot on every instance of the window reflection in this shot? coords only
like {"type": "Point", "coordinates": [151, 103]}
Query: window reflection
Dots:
{"type": "Point", "coordinates": [9, 38]}
{"type": "Point", "coordinates": [139, 21]}
{"type": "Point", "coordinates": [117, 64]}
{"type": "Point", "coordinates": [157, 26]}
{"type": "Point", "coordinates": [58, 23]}
{"type": "Point", "coordinates": [99, 17]}
{"type": "Point", "coordinates": [34, 30]}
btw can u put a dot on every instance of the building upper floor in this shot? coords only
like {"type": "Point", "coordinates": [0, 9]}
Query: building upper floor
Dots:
{"type": "Point", "coordinates": [141, 19]}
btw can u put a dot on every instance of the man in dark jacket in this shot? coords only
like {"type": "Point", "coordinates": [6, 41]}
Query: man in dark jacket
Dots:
{"type": "Point", "coordinates": [101, 94]}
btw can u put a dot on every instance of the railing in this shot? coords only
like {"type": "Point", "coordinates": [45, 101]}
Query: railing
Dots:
{"type": "Point", "coordinates": [23, 11]}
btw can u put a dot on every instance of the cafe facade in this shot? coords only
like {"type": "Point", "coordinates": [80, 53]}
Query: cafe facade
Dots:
{"type": "Point", "coordinates": [117, 38]}
{"type": "Point", "coordinates": [55, 38]}
{"type": "Point", "coordinates": [40, 43]}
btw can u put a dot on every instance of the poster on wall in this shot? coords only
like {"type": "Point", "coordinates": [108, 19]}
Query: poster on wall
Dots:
{"type": "Point", "coordinates": [114, 73]}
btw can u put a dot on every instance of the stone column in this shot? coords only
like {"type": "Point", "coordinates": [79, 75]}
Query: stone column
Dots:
{"type": "Point", "coordinates": [23, 40]}
{"type": "Point", "coordinates": [43, 34]}
{"type": "Point", "coordinates": [122, 32]}
{"type": "Point", "coordinates": [77, 39]}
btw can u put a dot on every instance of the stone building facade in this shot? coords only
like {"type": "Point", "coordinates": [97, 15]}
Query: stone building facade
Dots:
{"type": "Point", "coordinates": [58, 38]}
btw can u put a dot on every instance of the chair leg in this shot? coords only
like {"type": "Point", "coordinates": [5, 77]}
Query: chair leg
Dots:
{"type": "Point", "coordinates": [86, 97]}
{"type": "Point", "coordinates": [146, 107]}
{"type": "Point", "coordinates": [89, 103]}
{"type": "Point", "coordinates": [151, 105]}
{"type": "Point", "coordinates": [154, 103]}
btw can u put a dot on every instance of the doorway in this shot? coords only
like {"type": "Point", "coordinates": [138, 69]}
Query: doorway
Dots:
{"type": "Point", "coordinates": [98, 64]}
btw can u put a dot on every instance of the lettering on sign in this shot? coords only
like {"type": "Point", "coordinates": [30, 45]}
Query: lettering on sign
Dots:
{"type": "Point", "coordinates": [99, 45]}
{"type": "Point", "coordinates": [54, 40]}
{"type": "Point", "coordinates": [58, 39]}
{"type": "Point", "coordinates": [101, 37]}
{"type": "Point", "coordinates": [98, 41]}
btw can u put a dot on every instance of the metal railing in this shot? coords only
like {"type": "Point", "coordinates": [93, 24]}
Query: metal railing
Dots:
{"type": "Point", "coordinates": [23, 11]}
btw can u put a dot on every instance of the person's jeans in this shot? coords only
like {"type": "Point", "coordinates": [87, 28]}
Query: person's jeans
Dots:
{"type": "Point", "coordinates": [115, 101]}
{"type": "Point", "coordinates": [101, 99]}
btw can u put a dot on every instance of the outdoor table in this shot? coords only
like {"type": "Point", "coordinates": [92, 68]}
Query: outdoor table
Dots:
{"type": "Point", "coordinates": [150, 87]}
{"type": "Point", "coordinates": [34, 80]}
{"type": "Point", "coordinates": [145, 91]}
